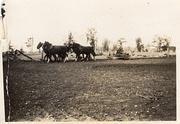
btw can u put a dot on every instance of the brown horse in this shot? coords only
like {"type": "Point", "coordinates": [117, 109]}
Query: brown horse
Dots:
{"type": "Point", "coordinates": [84, 50]}
{"type": "Point", "coordinates": [52, 50]}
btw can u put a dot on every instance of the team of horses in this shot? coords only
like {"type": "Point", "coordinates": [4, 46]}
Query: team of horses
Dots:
{"type": "Point", "coordinates": [60, 52]}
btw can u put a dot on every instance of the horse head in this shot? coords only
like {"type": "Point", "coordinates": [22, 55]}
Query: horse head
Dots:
{"type": "Point", "coordinates": [47, 45]}
{"type": "Point", "coordinates": [39, 45]}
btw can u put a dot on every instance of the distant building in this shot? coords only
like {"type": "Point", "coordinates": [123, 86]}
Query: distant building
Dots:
{"type": "Point", "coordinates": [154, 49]}
{"type": "Point", "coordinates": [172, 49]}
{"type": "Point", "coordinates": [151, 49]}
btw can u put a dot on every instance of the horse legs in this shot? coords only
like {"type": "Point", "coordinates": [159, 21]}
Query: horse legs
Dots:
{"type": "Point", "coordinates": [83, 58]}
{"type": "Point", "coordinates": [65, 58]}
{"type": "Point", "coordinates": [45, 58]}
{"type": "Point", "coordinates": [77, 57]}
{"type": "Point", "coordinates": [86, 58]}
{"type": "Point", "coordinates": [58, 58]}
{"type": "Point", "coordinates": [94, 57]}
{"type": "Point", "coordinates": [48, 58]}
{"type": "Point", "coordinates": [55, 58]}
{"type": "Point", "coordinates": [94, 54]}
{"type": "Point", "coordinates": [89, 57]}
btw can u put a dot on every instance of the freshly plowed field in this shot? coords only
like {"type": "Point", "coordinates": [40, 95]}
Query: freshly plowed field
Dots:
{"type": "Point", "coordinates": [109, 90]}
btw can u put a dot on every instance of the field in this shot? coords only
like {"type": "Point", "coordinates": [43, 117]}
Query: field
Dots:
{"type": "Point", "coordinates": [106, 90]}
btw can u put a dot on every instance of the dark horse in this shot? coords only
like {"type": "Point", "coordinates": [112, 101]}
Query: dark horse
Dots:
{"type": "Point", "coordinates": [52, 50]}
{"type": "Point", "coordinates": [45, 50]}
{"type": "Point", "coordinates": [84, 50]}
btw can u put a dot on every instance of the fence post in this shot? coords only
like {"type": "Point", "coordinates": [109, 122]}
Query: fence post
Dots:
{"type": "Point", "coordinates": [2, 104]}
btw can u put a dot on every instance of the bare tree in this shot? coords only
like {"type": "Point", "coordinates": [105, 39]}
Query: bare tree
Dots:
{"type": "Point", "coordinates": [106, 45]}
{"type": "Point", "coordinates": [29, 43]}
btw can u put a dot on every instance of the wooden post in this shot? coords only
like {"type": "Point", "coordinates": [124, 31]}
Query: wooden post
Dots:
{"type": "Point", "coordinates": [2, 105]}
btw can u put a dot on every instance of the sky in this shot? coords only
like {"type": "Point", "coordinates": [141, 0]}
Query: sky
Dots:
{"type": "Point", "coordinates": [52, 20]}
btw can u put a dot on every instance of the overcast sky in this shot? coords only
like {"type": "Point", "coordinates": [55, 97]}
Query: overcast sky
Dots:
{"type": "Point", "coordinates": [52, 20]}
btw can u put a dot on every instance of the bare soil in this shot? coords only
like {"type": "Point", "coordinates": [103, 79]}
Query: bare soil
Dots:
{"type": "Point", "coordinates": [109, 90]}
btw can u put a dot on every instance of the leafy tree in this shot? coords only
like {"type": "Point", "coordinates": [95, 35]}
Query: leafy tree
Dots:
{"type": "Point", "coordinates": [120, 45]}
{"type": "Point", "coordinates": [139, 44]}
{"type": "Point", "coordinates": [11, 48]}
{"type": "Point", "coordinates": [162, 43]}
{"type": "Point", "coordinates": [70, 39]}
{"type": "Point", "coordinates": [114, 48]}
{"type": "Point", "coordinates": [142, 48]}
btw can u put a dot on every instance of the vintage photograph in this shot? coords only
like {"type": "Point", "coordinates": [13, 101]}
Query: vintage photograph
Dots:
{"type": "Point", "coordinates": [89, 60]}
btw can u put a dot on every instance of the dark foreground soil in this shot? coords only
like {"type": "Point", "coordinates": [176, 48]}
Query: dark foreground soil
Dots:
{"type": "Point", "coordinates": [111, 90]}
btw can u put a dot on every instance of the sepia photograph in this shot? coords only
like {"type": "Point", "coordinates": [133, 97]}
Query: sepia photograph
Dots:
{"type": "Point", "coordinates": [89, 60]}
